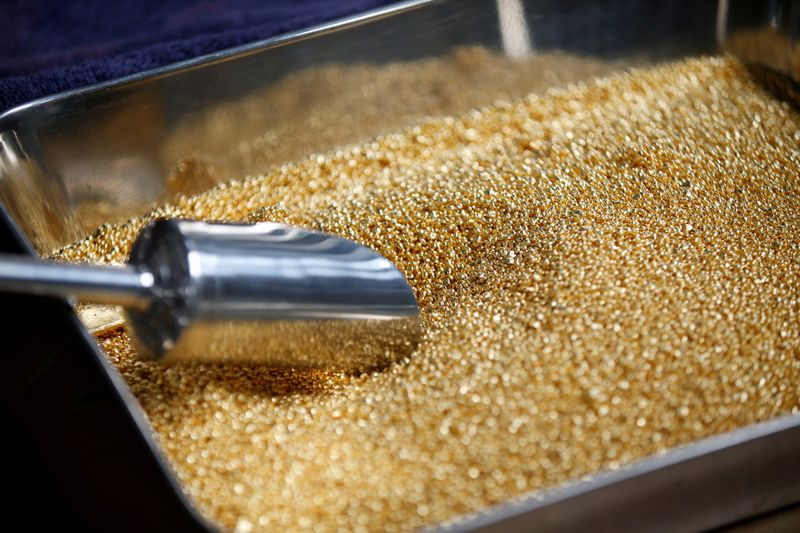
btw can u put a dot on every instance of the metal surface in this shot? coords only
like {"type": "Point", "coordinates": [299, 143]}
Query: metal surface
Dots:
{"type": "Point", "coordinates": [244, 293]}
{"type": "Point", "coordinates": [762, 33]}
{"type": "Point", "coordinates": [91, 283]}
{"type": "Point", "coordinates": [271, 294]}
{"type": "Point", "coordinates": [714, 482]}
{"type": "Point", "coordinates": [107, 145]}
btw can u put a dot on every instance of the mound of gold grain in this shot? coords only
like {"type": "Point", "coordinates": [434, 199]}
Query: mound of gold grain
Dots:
{"type": "Point", "coordinates": [605, 272]}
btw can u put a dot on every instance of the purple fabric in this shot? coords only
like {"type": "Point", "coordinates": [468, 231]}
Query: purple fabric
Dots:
{"type": "Point", "coordinates": [51, 46]}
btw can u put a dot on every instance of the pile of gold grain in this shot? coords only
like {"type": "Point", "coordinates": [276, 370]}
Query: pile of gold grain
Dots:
{"type": "Point", "coordinates": [605, 272]}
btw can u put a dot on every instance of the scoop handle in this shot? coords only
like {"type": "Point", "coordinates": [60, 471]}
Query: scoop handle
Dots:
{"type": "Point", "coordinates": [125, 286]}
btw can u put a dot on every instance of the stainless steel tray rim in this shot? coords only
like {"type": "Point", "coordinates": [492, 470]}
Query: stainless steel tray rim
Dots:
{"type": "Point", "coordinates": [531, 504]}
{"type": "Point", "coordinates": [227, 54]}
{"type": "Point", "coordinates": [627, 472]}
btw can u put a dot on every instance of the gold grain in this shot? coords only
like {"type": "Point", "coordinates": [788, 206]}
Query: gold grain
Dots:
{"type": "Point", "coordinates": [605, 272]}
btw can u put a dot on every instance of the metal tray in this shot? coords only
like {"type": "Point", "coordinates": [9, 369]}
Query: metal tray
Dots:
{"type": "Point", "coordinates": [106, 143]}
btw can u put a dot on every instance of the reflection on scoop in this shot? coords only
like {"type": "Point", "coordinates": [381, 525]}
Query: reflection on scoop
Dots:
{"type": "Point", "coordinates": [244, 293]}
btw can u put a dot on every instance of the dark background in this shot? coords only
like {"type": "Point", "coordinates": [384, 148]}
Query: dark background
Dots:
{"type": "Point", "coordinates": [49, 46]}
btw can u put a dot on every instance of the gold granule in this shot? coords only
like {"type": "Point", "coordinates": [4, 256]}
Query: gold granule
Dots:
{"type": "Point", "coordinates": [605, 272]}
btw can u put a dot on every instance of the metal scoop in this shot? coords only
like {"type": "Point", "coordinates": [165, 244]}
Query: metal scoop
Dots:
{"type": "Point", "coordinates": [254, 294]}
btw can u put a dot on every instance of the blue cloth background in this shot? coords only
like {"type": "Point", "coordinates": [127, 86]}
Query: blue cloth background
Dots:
{"type": "Point", "coordinates": [49, 46]}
